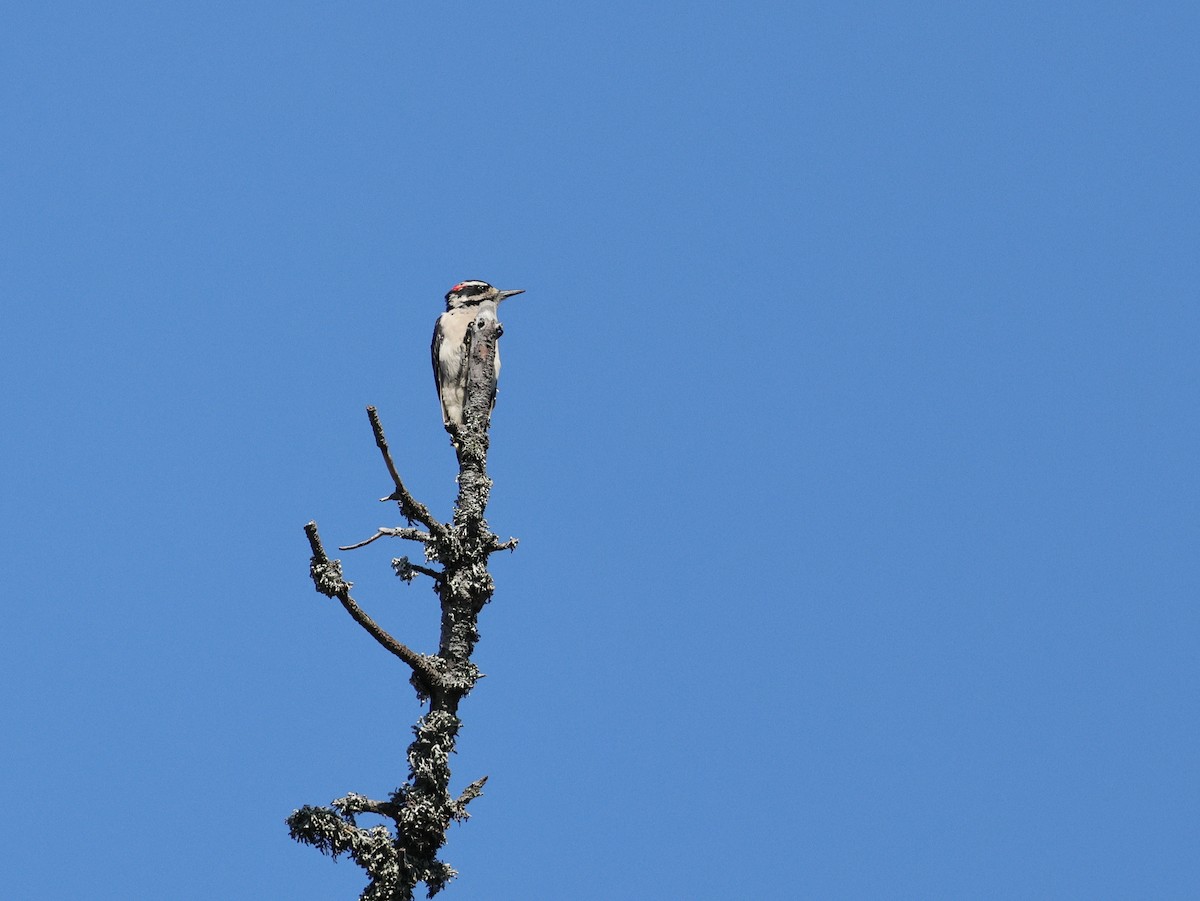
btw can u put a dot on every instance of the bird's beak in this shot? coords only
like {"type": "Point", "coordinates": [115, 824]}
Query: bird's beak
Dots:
{"type": "Point", "coordinates": [504, 294]}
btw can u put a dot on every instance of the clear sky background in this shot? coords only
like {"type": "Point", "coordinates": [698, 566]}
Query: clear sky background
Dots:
{"type": "Point", "coordinates": [849, 426]}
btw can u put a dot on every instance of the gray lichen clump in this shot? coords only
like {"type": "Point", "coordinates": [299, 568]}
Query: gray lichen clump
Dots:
{"type": "Point", "coordinates": [420, 811]}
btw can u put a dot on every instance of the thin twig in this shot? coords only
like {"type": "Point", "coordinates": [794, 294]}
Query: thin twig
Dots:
{"type": "Point", "coordinates": [410, 507]}
{"type": "Point", "coordinates": [385, 532]}
{"type": "Point", "coordinates": [351, 547]}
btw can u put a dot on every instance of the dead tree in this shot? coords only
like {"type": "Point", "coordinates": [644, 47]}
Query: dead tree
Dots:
{"type": "Point", "coordinates": [404, 853]}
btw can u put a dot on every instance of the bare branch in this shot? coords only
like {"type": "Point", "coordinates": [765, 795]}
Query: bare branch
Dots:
{"type": "Point", "coordinates": [410, 508]}
{"type": "Point", "coordinates": [385, 532]}
{"type": "Point", "coordinates": [314, 539]}
{"type": "Point", "coordinates": [327, 576]}
{"type": "Point", "coordinates": [364, 543]}
{"type": "Point", "coordinates": [498, 545]}
{"type": "Point", "coordinates": [406, 532]}
{"type": "Point", "coordinates": [419, 662]}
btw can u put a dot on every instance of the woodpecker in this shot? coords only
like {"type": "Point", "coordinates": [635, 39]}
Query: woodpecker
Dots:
{"type": "Point", "coordinates": [464, 302]}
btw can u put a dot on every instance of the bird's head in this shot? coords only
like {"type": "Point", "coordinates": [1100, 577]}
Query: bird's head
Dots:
{"type": "Point", "coordinates": [474, 292]}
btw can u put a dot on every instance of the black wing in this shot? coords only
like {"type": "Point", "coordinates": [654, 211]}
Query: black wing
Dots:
{"type": "Point", "coordinates": [435, 350]}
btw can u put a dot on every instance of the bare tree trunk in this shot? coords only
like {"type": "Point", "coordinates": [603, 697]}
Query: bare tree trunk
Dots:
{"type": "Point", "coordinates": [398, 858]}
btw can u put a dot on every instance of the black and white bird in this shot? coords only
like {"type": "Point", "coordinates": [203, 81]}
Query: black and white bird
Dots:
{"type": "Point", "coordinates": [464, 303]}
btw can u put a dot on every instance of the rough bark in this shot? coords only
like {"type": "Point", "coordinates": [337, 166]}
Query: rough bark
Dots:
{"type": "Point", "coordinates": [399, 856]}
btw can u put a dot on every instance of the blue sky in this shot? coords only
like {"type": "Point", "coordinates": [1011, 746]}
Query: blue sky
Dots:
{"type": "Point", "coordinates": [849, 424]}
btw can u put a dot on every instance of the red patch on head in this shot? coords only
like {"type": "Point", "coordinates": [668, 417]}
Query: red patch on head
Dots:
{"type": "Point", "coordinates": [456, 287]}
